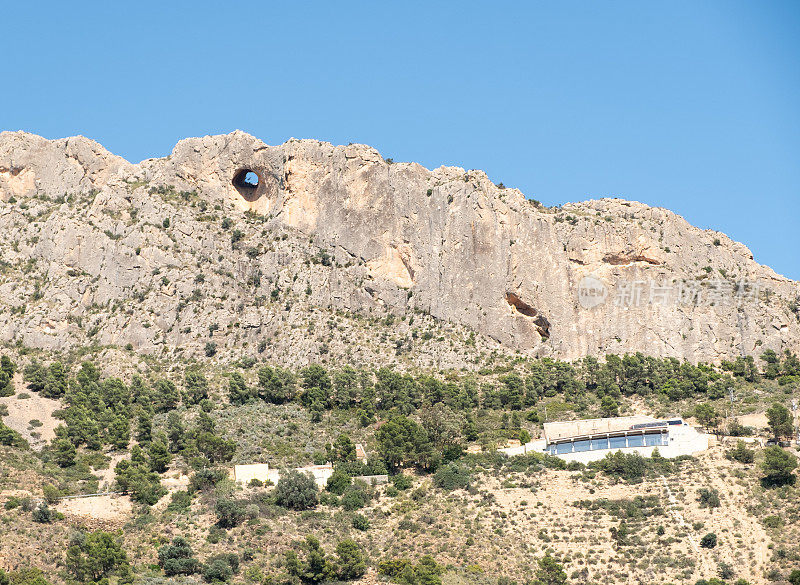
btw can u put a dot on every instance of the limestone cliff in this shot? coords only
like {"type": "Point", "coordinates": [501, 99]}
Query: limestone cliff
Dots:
{"type": "Point", "coordinates": [174, 252]}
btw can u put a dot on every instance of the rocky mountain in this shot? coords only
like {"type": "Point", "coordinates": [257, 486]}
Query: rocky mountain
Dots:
{"type": "Point", "coordinates": [309, 249]}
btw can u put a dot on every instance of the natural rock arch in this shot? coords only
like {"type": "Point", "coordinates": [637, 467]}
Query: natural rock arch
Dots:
{"type": "Point", "coordinates": [250, 184]}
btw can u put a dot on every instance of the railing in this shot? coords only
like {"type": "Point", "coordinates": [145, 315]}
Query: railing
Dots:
{"type": "Point", "coordinates": [75, 497]}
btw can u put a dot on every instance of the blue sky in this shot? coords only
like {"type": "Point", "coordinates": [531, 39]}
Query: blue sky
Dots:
{"type": "Point", "coordinates": [690, 105]}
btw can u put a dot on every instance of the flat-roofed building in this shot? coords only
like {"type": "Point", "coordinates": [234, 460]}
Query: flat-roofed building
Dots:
{"type": "Point", "coordinates": [592, 439]}
{"type": "Point", "coordinates": [243, 474]}
{"type": "Point", "coordinates": [246, 473]}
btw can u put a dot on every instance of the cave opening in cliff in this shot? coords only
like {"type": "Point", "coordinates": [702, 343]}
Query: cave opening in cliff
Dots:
{"type": "Point", "coordinates": [523, 308]}
{"type": "Point", "coordinates": [248, 183]}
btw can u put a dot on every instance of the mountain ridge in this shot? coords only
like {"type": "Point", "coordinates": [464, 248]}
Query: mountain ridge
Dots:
{"type": "Point", "coordinates": [399, 239]}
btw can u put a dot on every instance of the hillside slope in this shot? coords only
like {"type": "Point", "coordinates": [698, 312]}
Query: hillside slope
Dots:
{"type": "Point", "coordinates": [177, 253]}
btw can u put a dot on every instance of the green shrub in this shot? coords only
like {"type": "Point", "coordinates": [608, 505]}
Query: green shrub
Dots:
{"type": "Point", "coordinates": [629, 466]}
{"type": "Point", "coordinates": [11, 438]}
{"type": "Point", "coordinates": [230, 513]}
{"type": "Point", "coordinates": [97, 556]}
{"type": "Point", "coordinates": [296, 491]}
{"type": "Point", "coordinates": [550, 571]}
{"type": "Point", "coordinates": [177, 558]}
{"type": "Point", "coordinates": [361, 522]}
{"type": "Point", "coordinates": [180, 501]}
{"type": "Point", "coordinates": [43, 514]}
{"type": "Point", "coordinates": [51, 493]}
{"type": "Point", "coordinates": [708, 498]}
{"type": "Point", "coordinates": [452, 476]}
{"type": "Point", "coordinates": [402, 481]}
{"type": "Point", "coordinates": [206, 479]}
{"type": "Point", "coordinates": [741, 453]}
{"type": "Point", "coordinates": [338, 482]}
{"type": "Point", "coordinates": [778, 466]}
{"type": "Point", "coordinates": [352, 561]}
{"type": "Point", "coordinates": [709, 540]}
{"type": "Point", "coordinates": [425, 572]}
{"type": "Point", "coordinates": [217, 571]}
{"type": "Point", "coordinates": [355, 496]}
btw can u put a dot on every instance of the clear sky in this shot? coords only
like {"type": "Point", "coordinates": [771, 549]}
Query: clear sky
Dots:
{"type": "Point", "coordinates": [690, 105]}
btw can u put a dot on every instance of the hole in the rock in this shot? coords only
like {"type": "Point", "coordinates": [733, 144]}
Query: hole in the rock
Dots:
{"type": "Point", "coordinates": [246, 179]}
{"type": "Point", "coordinates": [249, 184]}
{"type": "Point", "coordinates": [251, 179]}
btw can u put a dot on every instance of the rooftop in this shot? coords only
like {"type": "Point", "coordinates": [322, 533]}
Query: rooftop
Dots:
{"type": "Point", "coordinates": [579, 428]}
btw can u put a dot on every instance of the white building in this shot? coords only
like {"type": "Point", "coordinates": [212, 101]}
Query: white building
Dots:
{"type": "Point", "coordinates": [243, 474]}
{"type": "Point", "coordinates": [592, 439]}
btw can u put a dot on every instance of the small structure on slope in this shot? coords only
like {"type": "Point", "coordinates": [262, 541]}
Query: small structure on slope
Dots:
{"type": "Point", "coordinates": [592, 439]}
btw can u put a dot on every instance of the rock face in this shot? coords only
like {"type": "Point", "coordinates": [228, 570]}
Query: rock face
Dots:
{"type": "Point", "coordinates": [226, 238]}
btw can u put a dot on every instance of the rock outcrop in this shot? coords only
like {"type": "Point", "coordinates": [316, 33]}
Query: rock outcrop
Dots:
{"type": "Point", "coordinates": [223, 240]}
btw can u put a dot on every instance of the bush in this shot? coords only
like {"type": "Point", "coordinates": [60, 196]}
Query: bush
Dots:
{"type": "Point", "coordinates": [550, 572]}
{"type": "Point", "coordinates": [402, 481]}
{"type": "Point", "coordinates": [741, 453]}
{"type": "Point", "coordinates": [96, 557]}
{"type": "Point", "coordinates": [217, 571]}
{"type": "Point", "coordinates": [352, 562]}
{"type": "Point", "coordinates": [452, 476]}
{"type": "Point", "coordinates": [708, 498]}
{"type": "Point", "coordinates": [736, 429]}
{"type": "Point", "coordinates": [725, 570]}
{"type": "Point", "coordinates": [425, 572]}
{"type": "Point", "coordinates": [180, 501]}
{"type": "Point", "coordinates": [316, 567]}
{"type": "Point", "coordinates": [338, 482]}
{"type": "Point", "coordinates": [629, 466]}
{"type": "Point", "coordinates": [709, 540]}
{"type": "Point", "coordinates": [136, 479]}
{"type": "Point", "coordinates": [11, 438]}
{"type": "Point", "coordinates": [43, 514]}
{"type": "Point", "coordinates": [230, 513]}
{"type": "Point", "coordinates": [360, 522]}
{"type": "Point", "coordinates": [231, 560]}
{"type": "Point", "coordinates": [51, 493]}
{"type": "Point", "coordinates": [297, 491]}
{"type": "Point", "coordinates": [778, 466]}
{"type": "Point", "coordinates": [355, 496]}
{"type": "Point", "coordinates": [206, 479]}
{"type": "Point", "coordinates": [177, 558]}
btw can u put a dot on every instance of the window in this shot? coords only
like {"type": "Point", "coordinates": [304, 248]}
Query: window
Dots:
{"type": "Point", "coordinates": [617, 442]}
{"type": "Point", "coordinates": [581, 446]}
{"type": "Point", "coordinates": [635, 441]}
{"type": "Point", "coordinates": [655, 439]}
{"type": "Point", "coordinates": [562, 448]}
{"type": "Point", "coordinates": [600, 443]}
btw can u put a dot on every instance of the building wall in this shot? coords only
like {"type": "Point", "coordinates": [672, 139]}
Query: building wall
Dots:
{"type": "Point", "coordinates": [261, 471]}
{"type": "Point", "coordinates": [683, 440]}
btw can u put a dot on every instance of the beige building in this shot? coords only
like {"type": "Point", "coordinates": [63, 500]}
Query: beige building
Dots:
{"type": "Point", "coordinates": [244, 474]}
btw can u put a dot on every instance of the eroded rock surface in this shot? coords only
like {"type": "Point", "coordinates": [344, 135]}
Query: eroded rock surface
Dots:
{"type": "Point", "coordinates": [181, 251]}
